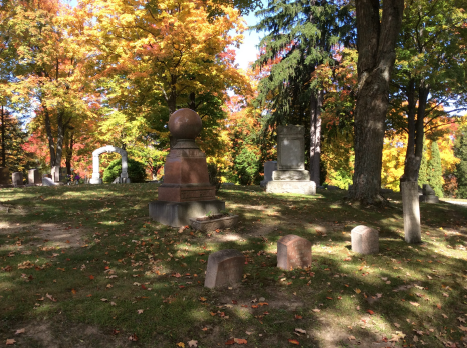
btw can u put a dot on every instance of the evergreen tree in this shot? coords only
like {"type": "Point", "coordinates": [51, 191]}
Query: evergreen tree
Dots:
{"type": "Point", "coordinates": [300, 35]}
{"type": "Point", "coordinates": [435, 171]}
{"type": "Point", "coordinates": [460, 151]}
{"type": "Point", "coordinates": [422, 174]}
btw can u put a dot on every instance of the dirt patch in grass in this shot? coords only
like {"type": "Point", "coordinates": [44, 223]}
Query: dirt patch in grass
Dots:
{"type": "Point", "coordinates": [59, 333]}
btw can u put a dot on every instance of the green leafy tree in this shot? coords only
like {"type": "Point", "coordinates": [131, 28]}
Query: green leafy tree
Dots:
{"type": "Point", "coordinates": [429, 71]}
{"type": "Point", "coordinates": [435, 171]}
{"type": "Point", "coordinates": [460, 151]}
{"type": "Point", "coordinates": [136, 171]}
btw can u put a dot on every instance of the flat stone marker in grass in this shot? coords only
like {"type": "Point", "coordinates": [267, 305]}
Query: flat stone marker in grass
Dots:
{"type": "Point", "coordinates": [225, 267]}
{"type": "Point", "coordinates": [365, 240]}
{"type": "Point", "coordinates": [293, 252]}
{"type": "Point", "coordinates": [17, 179]}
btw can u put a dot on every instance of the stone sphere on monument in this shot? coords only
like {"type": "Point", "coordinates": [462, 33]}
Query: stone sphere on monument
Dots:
{"type": "Point", "coordinates": [185, 124]}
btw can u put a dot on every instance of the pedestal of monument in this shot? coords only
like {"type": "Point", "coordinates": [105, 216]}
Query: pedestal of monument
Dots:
{"type": "Point", "coordinates": [186, 192]}
{"type": "Point", "coordinates": [291, 176]}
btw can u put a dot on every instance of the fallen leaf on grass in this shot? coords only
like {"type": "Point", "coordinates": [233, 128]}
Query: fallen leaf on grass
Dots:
{"type": "Point", "coordinates": [370, 311]}
{"type": "Point", "coordinates": [193, 343]}
{"type": "Point", "coordinates": [104, 300]}
{"type": "Point", "coordinates": [397, 325]}
{"type": "Point", "coordinates": [294, 342]}
{"type": "Point", "coordinates": [10, 341]}
{"type": "Point", "coordinates": [358, 291]}
{"type": "Point", "coordinates": [316, 310]}
{"type": "Point", "coordinates": [73, 291]}
{"type": "Point", "coordinates": [240, 341]}
{"type": "Point", "coordinates": [298, 316]}
{"type": "Point", "coordinates": [113, 304]}
{"type": "Point", "coordinates": [20, 331]}
{"type": "Point", "coordinates": [50, 297]}
{"type": "Point", "coordinates": [181, 344]}
{"type": "Point", "coordinates": [351, 338]}
{"type": "Point", "coordinates": [463, 328]}
{"type": "Point", "coordinates": [91, 277]}
{"type": "Point", "coordinates": [300, 331]}
{"type": "Point", "coordinates": [229, 342]}
{"type": "Point", "coordinates": [140, 311]}
{"type": "Point", "coordinates": [133, 338]}
{"type": "Point", "coordinates": [416, 304]}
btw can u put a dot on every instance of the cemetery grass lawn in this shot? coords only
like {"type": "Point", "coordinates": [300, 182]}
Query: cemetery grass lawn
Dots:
{"type": "Point", "coordinates": [84, 266]}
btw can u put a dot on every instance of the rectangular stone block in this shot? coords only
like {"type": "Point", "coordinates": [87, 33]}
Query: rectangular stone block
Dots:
{"type": "Point", "coordinates": [34, 176]}
{"type": "Point", "coordinates": [299, 187]}
{"type": "Point", "coordinates": [225, 267]}
{"type": "Point", "coordinates": [365, 240]}
{"type": "Point", "coordinates": [292, 175]}
{"type": "Point", "coordinates": [290, 147]}
{"type": "Point", "coordinates": [411, 212]}
{"type": "Point", "coordinates": [214, 224]}
{"type": "Point", "coordinates": [428, 199]}
{"type": "Point", "coordinates": [55, 172]}
{"type": "Point", "coordinates": [293, 252]}
{"type": "Point", "coordinates": [4, 176]}
{"type": "Point", "coordinates": [17, 179]}
{"type": "Point", "coordinates": [269, 167]}
{"type": "Point", "coordinates": [178, 214]}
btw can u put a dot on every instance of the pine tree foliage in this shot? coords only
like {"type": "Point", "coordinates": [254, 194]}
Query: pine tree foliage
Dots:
{"type": "Point", "coordinates": [435, 171]}
{"type": "Point", "coordinates": [300, 36]}
{"type": "Point", "coordinates": [422, 174]}
{"type": "Point", "coordinates": [460, 150]}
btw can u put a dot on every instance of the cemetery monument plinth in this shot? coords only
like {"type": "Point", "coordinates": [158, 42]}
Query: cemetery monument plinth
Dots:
{"type": "Point", "coordinates": [34, 177]}
{"type": "Point", "coordinates": [291, 176]}
{"type": "Point", "coordinates": [186, 192]}
{"type": "Point", "coordinates": [17, 179]}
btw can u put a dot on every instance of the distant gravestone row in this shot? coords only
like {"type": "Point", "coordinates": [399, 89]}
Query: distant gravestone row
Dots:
{"type": "Point", "coordinates": [225, 267]}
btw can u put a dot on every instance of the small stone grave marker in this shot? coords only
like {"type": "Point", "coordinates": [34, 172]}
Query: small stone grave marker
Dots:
{"type": "Point", "coordinates": [225, 267]}
{"type": "Point", "coordinates": [293, 252]}
{"type": "Point", "coordinates": [17, 179]}
{"type": "Point", "coordinates": [365, 240]}
{"type": "Point", "coordinates": [34, 176]}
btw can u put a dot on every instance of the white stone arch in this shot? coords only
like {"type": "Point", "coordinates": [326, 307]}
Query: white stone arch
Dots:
{"type": "Point", "coordinates": [95, 179]}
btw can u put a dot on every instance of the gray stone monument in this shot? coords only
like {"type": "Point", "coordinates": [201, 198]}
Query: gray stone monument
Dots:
{"type": "Point", "coordinates": [291, 176]}
{"type": "Point", "coordinates": [225, 267]}
{"type": "Point", "coordinates": [269, 167]}
{"type": "Point", "coordinates": [4, 176]}
{"type": "Point", "coordinates": [293, 252]}
{"type": "Point", "coordinates": [365, 240]}
{"type": "Point", "coordinates": [428, 196]}
{"type": "Point", "coordinates": [95, 179]}
{"type": "Point", "coordinates": [55, 172]}
{"type": "Point", "coordinates": [17, 179]}
{"type": "Point", "coordinates": [46, 181]}
{"type": "Point", "coordinates": [411, 212]}
{"type": "Point", "coordinates": [34, 177]}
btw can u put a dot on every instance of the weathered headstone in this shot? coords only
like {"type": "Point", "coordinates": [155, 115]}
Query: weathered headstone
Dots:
{"type": "Point", "coordinates": [291, 176]}
{"type": "Point", "coordinates": [4, 177]}
{"type": "Point", "coordinates": [225, 267]}
{"type": "Point", "coordinates": [55, 172]}
{"type": "Point", "coordinates": [365, 240]}
{"type": "Point", "coordinates": [186, 192]}
{"type": "Point", "coordinates": [411, 212]}
{"type": "Point", "coordinates": [293, 252]}
{"type": "Point", "coordinates": [429, 195]}
{"type": "Point", "coordinates": [34, 177]}
{"type": "Point", "coordinates": [269, 167]}
{"type": "Point", "coordinates": [17, 179]}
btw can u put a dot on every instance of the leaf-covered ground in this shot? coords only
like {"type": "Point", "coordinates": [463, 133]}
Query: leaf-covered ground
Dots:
{"type": "Point", "coordinates": [84, 266]}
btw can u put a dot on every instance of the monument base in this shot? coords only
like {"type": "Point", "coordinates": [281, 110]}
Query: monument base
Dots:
{"type": "Point", "coordinates": [95, 181]}
{"type": "Point", "coordinates": [291, 175]}
{"type": "Point", "coordinates": [428, 199]}
{"type": "Point", "coordinates": [177, 214]}
{"type": "Point", "coordinates": [300, 187]}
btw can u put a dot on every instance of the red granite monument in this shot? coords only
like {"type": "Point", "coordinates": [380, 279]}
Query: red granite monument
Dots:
{"type": "Point", "coordinates": [186, 192]}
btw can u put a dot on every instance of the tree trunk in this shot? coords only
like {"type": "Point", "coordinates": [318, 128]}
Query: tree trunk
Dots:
{"type": "Point", "coordinates": [3, 140]}
{"type": "Point", "coordinates": [316, 103]}
{"type": "Point", "coordinates": [414, 153]}
{"type": "Point", "coordinates": [69, 154]}
{"type": "Point", "coordinates": [60, 137]}
{"type": "Point", "coordinates": [48, 130]}
{"type": "Point", "coordinates": [376, 56]}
